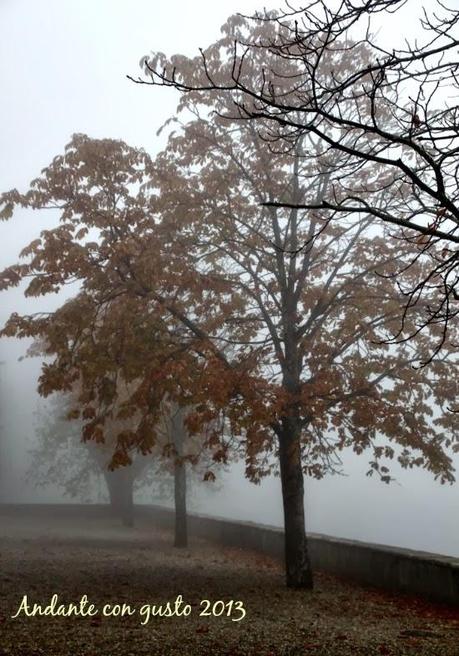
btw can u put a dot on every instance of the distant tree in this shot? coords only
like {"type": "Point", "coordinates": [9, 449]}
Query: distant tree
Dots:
{"type": "Point", "coordinates": [321, 72]}
{"type": "Point", "coordinates": [267, 323]}
{"type": "Point", "coordinates": [2, 435]}
{"type": "Point", "coordinates": [61, 458]}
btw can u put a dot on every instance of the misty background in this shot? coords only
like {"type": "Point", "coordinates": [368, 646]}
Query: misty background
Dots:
{"type": "Point", "coordinates": [63, 69]}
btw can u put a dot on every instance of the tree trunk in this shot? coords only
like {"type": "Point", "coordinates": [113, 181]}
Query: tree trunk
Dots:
{"type": "Point", "coordinates": [121, 491]}
{"type": "Point", "coordinates": [178, 436]}
{"type": "Point", "coordinates": [181, 529]}
{"type": "Point", "coordinates": [297, 563]}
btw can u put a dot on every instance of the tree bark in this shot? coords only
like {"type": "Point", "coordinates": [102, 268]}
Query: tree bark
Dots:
{"type": "Point", "coordinates": [181, 523]}
{"type": "Point", "coordinates": [120, 484]}
{"type": "Point", "coordinates": [181, 528]}
{"type": "Point", "coordinates": [297, 563]}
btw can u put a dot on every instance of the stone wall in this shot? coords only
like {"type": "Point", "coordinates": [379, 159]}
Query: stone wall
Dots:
{"type": "Point", "coordinates": [398, 570]}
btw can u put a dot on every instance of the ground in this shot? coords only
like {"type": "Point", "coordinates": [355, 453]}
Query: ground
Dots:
{"type": "Point", "coordinates": [42, 555]}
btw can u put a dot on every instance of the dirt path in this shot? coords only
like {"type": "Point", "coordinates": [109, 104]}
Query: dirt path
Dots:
{"type": "Point", "coordinates": [41, 556]}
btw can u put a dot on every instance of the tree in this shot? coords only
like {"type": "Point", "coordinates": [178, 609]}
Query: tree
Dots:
{"type": "Point", "coordinates": [391, 110]}
{"type": "Point", "coordinates": [60, 457]}
{"type": "Point", "coordinates": [270, 320]}
{"type": "Point", "coordinates": [175, 427]}
{"type": "Point", "coordinates": [2, 434]}
{"type": "Point", "coordinates": [121, 370]}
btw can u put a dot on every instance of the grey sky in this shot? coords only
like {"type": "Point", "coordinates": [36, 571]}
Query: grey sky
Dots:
{"type": "Point", "coordinates": [62, 69]}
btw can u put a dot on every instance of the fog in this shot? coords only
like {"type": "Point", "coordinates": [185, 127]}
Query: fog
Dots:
{"type": "Point", "coordinates": [63, 70]}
